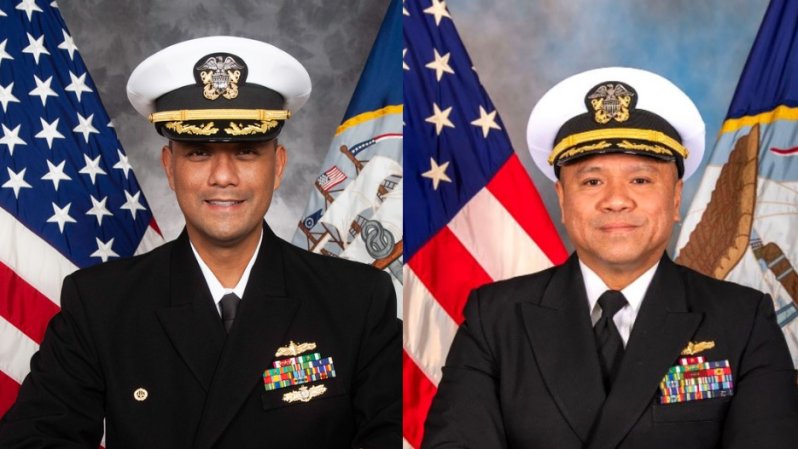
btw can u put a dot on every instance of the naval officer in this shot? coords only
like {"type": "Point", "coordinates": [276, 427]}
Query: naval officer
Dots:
{"type": "Point", "coordinates": [227, 337]}
{"type": "Point", "coordinates": [619, 347]}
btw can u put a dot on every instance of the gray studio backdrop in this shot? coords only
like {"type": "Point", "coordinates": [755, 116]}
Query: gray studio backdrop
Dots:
{"type": "Point", "coordinates": [330, 38]}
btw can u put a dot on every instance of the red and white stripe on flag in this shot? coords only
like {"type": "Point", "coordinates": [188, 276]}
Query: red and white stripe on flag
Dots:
{"type": "Point", "coordinates": [471, 213]}
{"type": "Point", "coordinates": [68, 194]}
{"type": "Point", "coordinates": [31, 272]}
{"type": "Point", "coordinates": [503, 231]}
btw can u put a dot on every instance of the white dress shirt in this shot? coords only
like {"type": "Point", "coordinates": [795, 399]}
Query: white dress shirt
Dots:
{"type": "Point", "coordinates": [216, 288]}
{"type": "Point", "coordinates": [634, 293]}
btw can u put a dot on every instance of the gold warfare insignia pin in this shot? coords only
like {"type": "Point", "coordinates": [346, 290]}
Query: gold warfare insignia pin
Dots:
{"type": "Point", "coordinates": [304, 394]}
{"type": "Point", "coordinates": [294, 349]}
{"type": "Point", "coordinates": [694, 348]}
{"type": "Point", "coordinates": [611, 101]}
{"type": "Point", "coordinates": [220, 75]}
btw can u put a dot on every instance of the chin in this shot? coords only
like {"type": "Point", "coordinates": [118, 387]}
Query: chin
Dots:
{"type": "Point", "coordinates": [619, 258]}
{"type": "Point", "coordinates": [221, 236]}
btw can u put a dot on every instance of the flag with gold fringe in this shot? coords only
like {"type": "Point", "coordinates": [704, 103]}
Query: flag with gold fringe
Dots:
{"type": "Point", "coordinates": [355, 207]}
{"type": "Point", "coordinates": [742, 225]}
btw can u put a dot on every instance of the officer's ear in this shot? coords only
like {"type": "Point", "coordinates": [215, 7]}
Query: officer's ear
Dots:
{"type": "Point", "coordinates": [166, 162]}
{"type": "Point", "coordinates": [280, 159]}
{"type": "Point", "coordinates": [558, 187]}
{"type": "Point", "coordinates": [677, 200]}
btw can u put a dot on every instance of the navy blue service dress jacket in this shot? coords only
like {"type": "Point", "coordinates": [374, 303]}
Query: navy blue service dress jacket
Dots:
{"type": "Point", "coordinates": [139, 343]}
{"type": "Point", "coordinates": [523, 370]}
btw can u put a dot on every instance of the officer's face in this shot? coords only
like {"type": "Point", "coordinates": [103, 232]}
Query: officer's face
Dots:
{"type": "Point", "coordinates": [619, 210]}
{"type": "Point", "coordinates": [223, 189]}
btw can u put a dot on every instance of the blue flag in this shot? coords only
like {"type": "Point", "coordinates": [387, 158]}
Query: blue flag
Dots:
{"type": "Point", "coordinates": [355, 208]}
{"type": "Point", "coordinates": [743, 223]}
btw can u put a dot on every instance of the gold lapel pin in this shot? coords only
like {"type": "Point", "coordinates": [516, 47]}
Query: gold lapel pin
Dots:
{"type": "Point", "coordinates": [140, 394]}
{"type": "Point", "coordinates": [304, 394]}
{"type": "Point", "coordinates": [694, 348]}
{"type": "Point", "coordinates": [294, 349]}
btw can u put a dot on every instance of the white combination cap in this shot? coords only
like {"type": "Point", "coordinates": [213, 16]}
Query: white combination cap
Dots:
{"type": "Point", "coordinates": [219, 88]}
{"type": "Point", "coordinates": [615, 110]}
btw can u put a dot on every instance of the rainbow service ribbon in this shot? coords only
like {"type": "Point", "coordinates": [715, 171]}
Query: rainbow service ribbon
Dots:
{"type": "Point", "coordinates": [694, 379]}
{"type": "Point", "coordinates": [297, 371]}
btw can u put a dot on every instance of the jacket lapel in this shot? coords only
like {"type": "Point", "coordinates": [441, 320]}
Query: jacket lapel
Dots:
{"type": "Point", "coordinates": [561, 336]}
{"type": "Point", "coordinates": [662, 328]}
{"type": "Point", "coordinates": [261, 325]}
{"type": "Point", "coordinates": [191, 321]}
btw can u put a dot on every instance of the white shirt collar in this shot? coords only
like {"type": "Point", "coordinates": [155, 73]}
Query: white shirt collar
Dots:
{"type": "Point", "coordinates": [633, 292]}
{"type": "Point", "coordinates": [216, 288]}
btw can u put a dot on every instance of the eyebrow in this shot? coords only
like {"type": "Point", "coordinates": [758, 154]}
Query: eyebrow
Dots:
{"type": "Point", "coordinates": [591, 168]}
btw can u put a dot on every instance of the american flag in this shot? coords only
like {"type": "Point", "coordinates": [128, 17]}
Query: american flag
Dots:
{"type": "Point", "coordinates": [331, 178]}
{"type": "Point", "coordinates": [68, 195]}
{"type": "Point", "coordinates": [472, 214]}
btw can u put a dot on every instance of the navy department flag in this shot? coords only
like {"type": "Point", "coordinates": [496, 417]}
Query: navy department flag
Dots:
{"type": "Point", "coordinates": [472, 214]}
{"type": "Point", "coordinates": [742, 225]}
{"type": "Point", "coordinates": [355, 207]}
{"type": "Point", "coordinates": [68, 195]}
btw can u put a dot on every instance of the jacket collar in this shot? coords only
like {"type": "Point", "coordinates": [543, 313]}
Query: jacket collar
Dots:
{"type": "Point", "coordinates": [560, 332]}
{"type": "Point", "coordinates": [262, 323]}
{"type": "Point", "coordinates": [228, 366]}
{"type": "Point", "coordinates": [663, 326]}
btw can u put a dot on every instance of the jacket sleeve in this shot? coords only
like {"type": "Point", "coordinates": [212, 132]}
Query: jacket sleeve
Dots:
{"type": "Point", "coordinates": [60, 403]}
{"type": "Point", "coordinates": [465, 412]}
{"type": "Point", "coordinates": [764, 412]}
{"type": "Point", "coordinates": [377, 395]}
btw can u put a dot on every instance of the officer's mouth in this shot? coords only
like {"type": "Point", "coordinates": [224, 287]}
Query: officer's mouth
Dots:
{"type": "Point", "coordinates": [617, 227]}
{"type": "Point", "coordinates": [223, 203]}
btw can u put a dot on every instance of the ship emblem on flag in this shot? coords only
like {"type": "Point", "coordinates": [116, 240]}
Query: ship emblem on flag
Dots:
{"type": "Point", "coordinates": [330, 178]}
{"type": "Point", "coordinates": [355, 210]}
{"type": "Point", "coordinates": [742, 225]}
{"type": "Point", "coordinates": [310, 221]}
{"type": "Point", "coordinates": [360, 146]}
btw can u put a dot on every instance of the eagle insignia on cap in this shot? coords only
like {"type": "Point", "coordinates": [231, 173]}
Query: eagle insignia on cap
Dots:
{"type": "Point", "coordinates": [611, 101]}
{"type": "Point", "coordinates": [220, 75]}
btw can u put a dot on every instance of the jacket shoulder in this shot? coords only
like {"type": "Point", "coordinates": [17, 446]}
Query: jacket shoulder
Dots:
{"type": "Point", "coordinates": [119, 267]}
{"type": "Point", "coordinates": [111, 279]}
{"type": "Point", "coordinates": [328, 269]}
{"type": "Point", "coordinates": [728, 305]}
{"type": "Point", "coordinates": [712, 294]}
{"type": "Point", "coordinates": [508, 292]}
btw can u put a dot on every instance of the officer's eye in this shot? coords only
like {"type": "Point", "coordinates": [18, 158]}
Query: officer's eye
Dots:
{"type": "Point", "coordinates": [591, 182]}
{"type": "Point", "coordinates": [641, 181]}
{"type": "Point", "coordinates": [197, 153]}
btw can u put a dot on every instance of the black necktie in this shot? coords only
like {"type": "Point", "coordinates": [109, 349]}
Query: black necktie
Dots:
{"type": "Point", "coordinates": [608, 339]}
{"type": "Point", "coordinates": [229, 305]}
